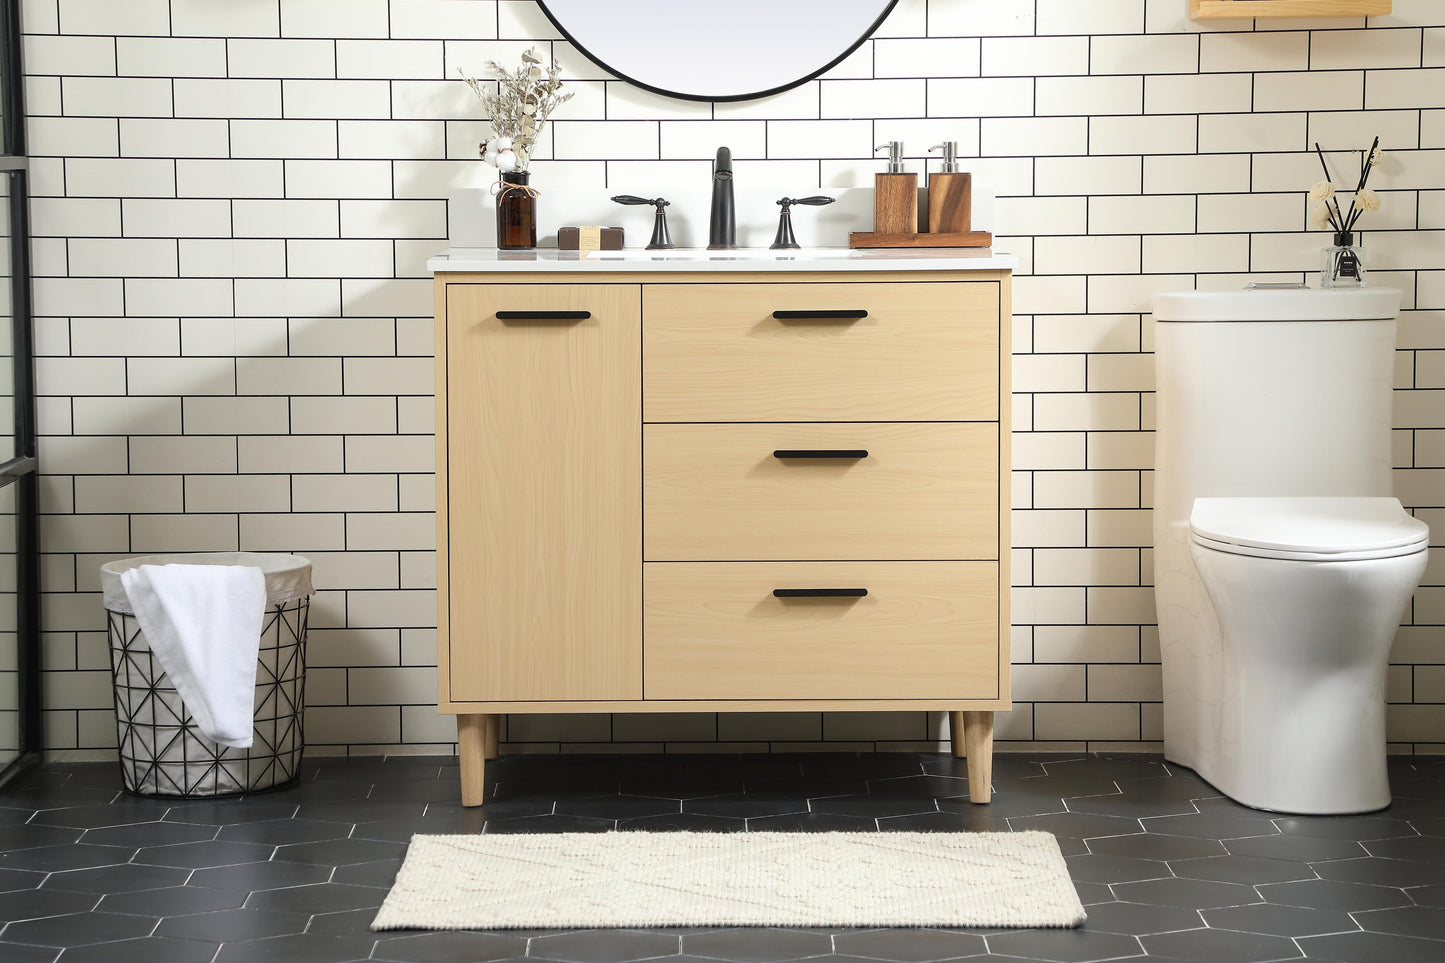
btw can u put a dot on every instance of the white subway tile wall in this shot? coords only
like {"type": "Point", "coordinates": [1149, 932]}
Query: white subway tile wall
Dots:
{"type": "Point", "coordinates": [234, 203]}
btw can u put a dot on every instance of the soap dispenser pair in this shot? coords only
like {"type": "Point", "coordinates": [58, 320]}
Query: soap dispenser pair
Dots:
{"type": "Point", "coordinates": [895, 195]}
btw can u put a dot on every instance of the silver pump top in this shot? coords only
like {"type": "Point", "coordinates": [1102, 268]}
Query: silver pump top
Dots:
{"type": "Point", "coordinates": [895, 155]}
{"type": "Point", "coordinates": [950, 155]}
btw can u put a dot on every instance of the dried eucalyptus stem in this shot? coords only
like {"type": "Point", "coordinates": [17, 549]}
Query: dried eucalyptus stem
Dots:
{"type": "Point", "coordinates": [517, 107]}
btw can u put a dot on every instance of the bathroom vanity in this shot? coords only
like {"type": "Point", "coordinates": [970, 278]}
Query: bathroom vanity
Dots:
{"type": "Point", "coordinates": [722, 481]}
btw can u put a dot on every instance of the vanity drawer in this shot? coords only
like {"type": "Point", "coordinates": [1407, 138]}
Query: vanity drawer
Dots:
{"type": "Point", "coordinates": [759, 493]}
{"type": "Point", "coordinates": [924, 351]}
{"type": "Point", "coordinates": [925, 630]}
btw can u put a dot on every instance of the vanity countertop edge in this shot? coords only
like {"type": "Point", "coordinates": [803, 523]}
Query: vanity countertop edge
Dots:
{"type": "Point", "coordinates": [634, 261]}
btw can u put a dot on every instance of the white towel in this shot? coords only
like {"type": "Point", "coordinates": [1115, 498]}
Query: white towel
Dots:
{"type": "Point", "coordinates": [203, 623]}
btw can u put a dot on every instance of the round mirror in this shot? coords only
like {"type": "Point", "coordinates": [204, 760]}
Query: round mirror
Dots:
{"type": "Point", "coordinates": [716, 50]}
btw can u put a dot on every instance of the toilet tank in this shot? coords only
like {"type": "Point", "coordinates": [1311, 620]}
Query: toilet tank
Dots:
{"type": "Point", "coordinates": [1272, 392]}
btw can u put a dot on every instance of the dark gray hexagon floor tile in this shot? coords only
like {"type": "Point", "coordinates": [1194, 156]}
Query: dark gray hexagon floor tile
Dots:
{"type": "Point", "coordinates": [1429, 895]}
{"type": "Point", "coordinates": [495, 808]}
{"type": "Point", "coordinates": [1429, 825]}
{"type": "Point", "coordinates": [1427, 849]}
{"type": "Point", "coordinates": [418, 790]}
{"type": "Point", "coordinates": [381, 873]}
{"type": "Point", "coordinates": [1211, 946]}
{"type": "Point", "coordinates": [1192, 893]}
{"type": "Point", "coordinates": [1372, 948]}
{"type": "Point", "coordinates": [359, 810]}
{"type": "Point", "coordinates": [1091, 893]}
{"type": "Point", "coordinates": [910, 945]}
{"type": "Point", "coordinates": [550, 824]}
{"type": "Point", "coordinates": [339, 852]}
{"type": "Point", "coordinates": [757, 945]}
{"type": "Point", "coordinates": [1275, 919]}
{"type": "Point", "coordinates": [1359, 828]}
{"type": "Point", "coordinates": [1138, 919]}
{"type": "Point", "coordinates": [228, 925]}
{"type": "Point", "coordinates": [811, 823]}
{"type": "Point", "coordinates": [1121, 804]}
{"type": "Point", "coordinates": [1003, 806]}
{"type": "Point", "coordinates": [260, 875]}
{"type": "Point", "coordinates": [402, 830]}
{"type": "Point", "coordinates": [16, 879]}
{"type": "Point", "coordinates": [931, 786]}
{"type": "Point", "coordinates": [1423, 921]}
{"type": "Point", "coordinates": [129, 810]}
{"type": "Point", "coordinates": [56, 859]}
{"type": "Point", "coordinates": [121, 878]}
{"type": "Point", "coordinates": [1156, 846]}
{"type": "Point", "coordinates": [12, 816]}
{"type": "Point", "coordinates": [1078, 825]}
{"type": "Point", "coordinates": [226, 812]}
{"type": "Point", "coordinates": [680, 822]}
{"type": "Point", "coordinates": [204, 855]}
{"type": "Point", "coordinates": [865, 765]}
{"type": "Point", "coordinates": [353, 923]}
{"type": "Point", "coordinates": [29, 904]}
{"type": "Point", "coordinates": [1384, 872]}
{"type": "Point", "coordinates": [172, 901]}
{"type": "Point", "coordinates": [15, 837]}
{"type": "Point", "coordinates": [973, 819]}
{"type": "Point", "coordinates": [1334, 895]}
{"type": "Point", "coordinates": [150, 949]}
{"type": "Point", "coordinates": [23, 953]}
{"type": "Point", "coordinates": [316, 898]}
{"type": "Point", "coordinates": [136, 835]}
{"type": "Point", "coordinates": [1132, 766]}
{"type": "Point", "coordinates": [450, 948]}
{"type": "Point", "coordinates": [617, 806]}
{"type": "Point", "coordinates": [746, 805]}
{"type": "Point", "coordinates": [1098, 868]}
{"type": "Point", "coordinates": [1208, 825]}
{"type": "Point", "coordinates": [1298, 848]}
{"type": "Point", "coordinates": [1241, 869]}
{"type": "Point", "coordinates": [1066, 946]}
{"type": "Point", "coordinates": [603, 946]}
{"type": "Point", "coordinates": [1218, 804]}
{"type": "Point", "coordinates": [276, 832]}
{"type": "Point", "coordinates": [306, 948]}
{"type": "Point", "coordinates": [78, 929]}
{"type": "Point", "coordinates": [873, 805]}
{"type": "Point", "coordinates": [1006, 766]}
{"type": "Point", "coordinates": [682, 786]}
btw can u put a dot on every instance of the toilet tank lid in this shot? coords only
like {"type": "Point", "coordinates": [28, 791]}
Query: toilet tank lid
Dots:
{"type": "Point", "coordinates": [1317, 525]}
{"type": "Point", "coordinates": [1301, 304]}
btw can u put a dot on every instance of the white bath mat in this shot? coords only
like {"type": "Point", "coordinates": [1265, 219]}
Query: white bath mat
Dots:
{"type": "Point", "coordinates": [587, 880]}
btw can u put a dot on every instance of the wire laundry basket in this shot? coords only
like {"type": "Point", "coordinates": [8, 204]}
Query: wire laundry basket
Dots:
{"type": "Point", "coordinates": [162, 751]}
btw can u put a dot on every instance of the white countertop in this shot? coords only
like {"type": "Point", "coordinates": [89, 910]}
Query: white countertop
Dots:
{"type": "Point", "coordinates": [752, 259]}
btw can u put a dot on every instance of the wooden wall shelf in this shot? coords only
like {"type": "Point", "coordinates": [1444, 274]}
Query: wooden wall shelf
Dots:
{"type": "Point", "coordinates": [1271, 9]}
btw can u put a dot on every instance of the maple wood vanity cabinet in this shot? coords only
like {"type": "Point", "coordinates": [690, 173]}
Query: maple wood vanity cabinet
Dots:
{"type": "Point", "coordinates": [731, 485]}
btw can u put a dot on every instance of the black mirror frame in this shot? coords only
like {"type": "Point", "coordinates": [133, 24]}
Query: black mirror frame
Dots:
{"type": "Point", "coordinates": [730, 97]}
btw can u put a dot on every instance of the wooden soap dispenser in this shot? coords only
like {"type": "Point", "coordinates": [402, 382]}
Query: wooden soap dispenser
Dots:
{"type": "Point", "coordinates": [950, 195]}
{"type": "Point", "coordinates": [895, 195]}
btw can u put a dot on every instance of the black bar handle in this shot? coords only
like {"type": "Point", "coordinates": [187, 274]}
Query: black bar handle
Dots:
{"type": "Point", "coordinates": [820, 453]}
{"type": "Point", "coordinates": [847, 314]}
{"type": "Point", "coordinates": [820, 593]}
{"type": "Point", "coordinates": [543, 315]}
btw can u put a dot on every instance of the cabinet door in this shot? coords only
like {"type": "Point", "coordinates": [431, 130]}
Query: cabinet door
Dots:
{"type": "Point", "coordinates": [544, 492]}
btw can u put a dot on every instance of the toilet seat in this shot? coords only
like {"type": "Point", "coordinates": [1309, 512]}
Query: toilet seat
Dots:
{"type": "Point", "coordinates": [1312, 529]}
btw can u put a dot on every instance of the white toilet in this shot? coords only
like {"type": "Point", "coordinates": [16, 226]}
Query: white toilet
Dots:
{"type": "Point", "coordinates": [1282, 563]}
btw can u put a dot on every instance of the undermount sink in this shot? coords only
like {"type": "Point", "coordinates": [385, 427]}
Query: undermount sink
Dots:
{"type": "Point", "coordinates": [737, 254]}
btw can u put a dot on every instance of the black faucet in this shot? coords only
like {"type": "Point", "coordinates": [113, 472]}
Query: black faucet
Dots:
{"type": "Point", "coordinates": [722, 228]}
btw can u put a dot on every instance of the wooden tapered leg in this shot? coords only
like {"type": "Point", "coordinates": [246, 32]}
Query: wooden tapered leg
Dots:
{"type": "Point", "coordinates": [978, 739]}
{"type": "Point", "coordinates": [472, 750]}
{"type": "Point", "coordinates": [493, 736]}
{"type": "Point", "coordinates": [955, 734]}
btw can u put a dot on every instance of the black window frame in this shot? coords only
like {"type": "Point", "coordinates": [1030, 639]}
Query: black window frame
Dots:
{"type": "Point", "coordinates": [21, 470]}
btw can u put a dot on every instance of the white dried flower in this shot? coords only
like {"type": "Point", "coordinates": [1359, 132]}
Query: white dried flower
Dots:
{"type": "Point", "coordinates": [1322, 191]}
{"type": "Point", "coordinates": [1377, 157]}
{"type": "Point", "coordinates": [1367, 201]}
{"type": "Point", "coordinates": [518, 103]}
{"type": "Point", "coordinates": [506, 161]}
{"type": "Point", "coordinates": [1320, 216]}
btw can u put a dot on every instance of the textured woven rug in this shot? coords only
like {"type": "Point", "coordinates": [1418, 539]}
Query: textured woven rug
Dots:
{"type": "Point", "coordinates": [588, 880]}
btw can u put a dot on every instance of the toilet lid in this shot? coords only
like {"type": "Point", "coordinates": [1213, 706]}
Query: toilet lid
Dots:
{"type": "Point", "coordinates": [1313, 529]}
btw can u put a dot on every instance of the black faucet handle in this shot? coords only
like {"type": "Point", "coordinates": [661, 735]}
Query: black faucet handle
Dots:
{"type": "Point", "coordinates": [633, 199]}
{"type": "Point", "coordinates": [817, 200]}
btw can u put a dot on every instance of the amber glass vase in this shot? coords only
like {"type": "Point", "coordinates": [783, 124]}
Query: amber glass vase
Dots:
{"type": "Point", "coordinates": [516, 212]}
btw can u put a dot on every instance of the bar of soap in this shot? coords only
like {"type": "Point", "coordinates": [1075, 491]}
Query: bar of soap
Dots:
{"type": "Point", "coordinates": [589, 237]}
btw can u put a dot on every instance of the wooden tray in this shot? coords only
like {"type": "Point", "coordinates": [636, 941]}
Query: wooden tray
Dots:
{"type": "Point", "coordinates": [968, 239]}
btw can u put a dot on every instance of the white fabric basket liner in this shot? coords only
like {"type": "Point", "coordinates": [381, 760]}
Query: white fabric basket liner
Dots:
{"type": "Point", "coordinates": [288, 577]}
